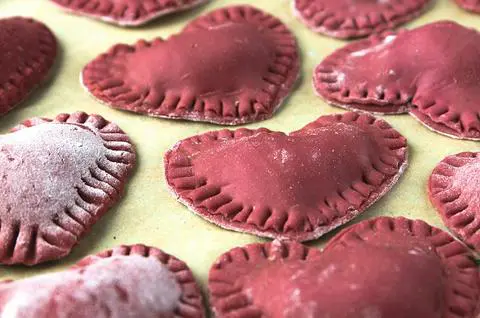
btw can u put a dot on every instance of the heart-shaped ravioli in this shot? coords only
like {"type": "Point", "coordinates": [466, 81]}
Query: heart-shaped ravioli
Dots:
{"type": "Point", "coordinates": [127, 281]}
{"type": "Point", "coordinates": [454, 192]}
{"type": "Point", "coordinates": [126, 12]}
{"type": "Point", "coordinates": [29, 49]}
{"type": "Point", "coordinates": [356, 18]}
{"type": "Point", "coordinates": [231, 66]}
{"type": "Point", "coordinates": [470, 5]}
{"type": "Point", "coordinates": [432, 72]}
{"type": "Point", "coordinates": [384, 267]}
{"type": "Point", "coordinates": [58, 178]}
{"type": "Point", "coordinates": [296, 186]}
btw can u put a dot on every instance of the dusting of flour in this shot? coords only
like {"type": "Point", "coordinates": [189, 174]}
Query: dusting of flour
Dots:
{"type": "Point", "coordinates": [118, 286]}
{"type": "Point", "coordinates": [42, 165]}
{"type": "Point", "coordinates": [388, 39]}
{"type": "Point", "coordinates": [468, 174]}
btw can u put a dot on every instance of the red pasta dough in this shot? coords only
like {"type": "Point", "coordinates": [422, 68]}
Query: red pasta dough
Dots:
{"type": "Point", "coordinates": [297, 186]}
{"type": "Point", "coordinates": [356, 18]}
{"type": "Point", "coordinates": [231, 66]}
{"type": "Point", "coordinates": [383, 267]}
{"type": "Point", "coordinates": [432, 72]}
{"type": "Point", "coordinates": [126, 12]}
{"type": "Point", "coordinates": [58, 178]}
{"type": "Point", "coordinates": [29, 50]}
{"type": "Point", "coordinates": [127, 281]}
{"type": "Point", "coordinates": [454, 192]}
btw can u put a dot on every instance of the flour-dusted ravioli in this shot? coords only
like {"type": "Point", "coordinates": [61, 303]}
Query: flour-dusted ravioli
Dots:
{"type": "Point", "coordinates": [384, 267]}
{"type": "Point", "coordinates": [470, 5]}
{"type": "Point", "coordinates": [126, 12]}
{"type": "Point", "coordinates": [58, 178]}
{"type": "Point", "coordinates": [231, 66]}
{"type": "Point", "coordinates": [127, 281]}
{"type": "Point", "coordinates": [297, 186]}
{"type": "Point", "coordinates": [454, 191]}
{"type": "Point", "coordinates": [351, 19]}
{"type": "Point", "coordinates": [29, 50]}
{"type": "Point", "coordinates": [432, 72]}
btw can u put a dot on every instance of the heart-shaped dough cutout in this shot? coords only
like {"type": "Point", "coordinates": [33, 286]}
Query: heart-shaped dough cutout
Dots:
{"type": "Point", "coordinates": [454, 192]}
{"type": "Point", "coordinates": [347, 19]}
{"type": "Point", "coordinates": [297, 186]}
{"type": "Point", "coordinates": [470, 5]}
{"type": "Point", "coordinates": [232, 66]}
{"type": "Point", "coordinates": [432, 72]}
{"type": "Point", "coordinates": [127, 281]}
{"type": "Point", "coordinates": [29, 49]}
{"type": "Point", "coordinates": [384, 267]}
{"type": "Point", "coordinates": [59, 177]}
{"type": "Point", "coordinates": [126, 12]}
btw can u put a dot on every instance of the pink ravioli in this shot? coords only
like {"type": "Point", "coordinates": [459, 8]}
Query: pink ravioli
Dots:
{"type": "Point", "coordinates": [384, 267]}
{"type": "Point", "coordinates": [126, 12]}
{"type": "Point", "coordinates": [127, 281]}
{"type": "Point", "coordinates": [296, 186]}
{"type": "Point", "coordinates": [28, 49]}
{"type": "Point", "coordinates": [470, 5]}
{"type": "Point", "coordinates": [454, 190]}
{"type": "Point", "coordinates": [232, 66]}
{"type": "Point", "coordinates": [432, 72]}
{"type": "Point", "coordinates": [58, 178]}
{"type": "Point", "coordinates": [356, 18]}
